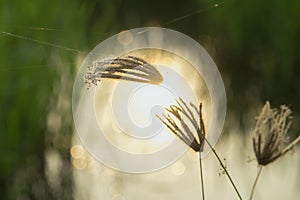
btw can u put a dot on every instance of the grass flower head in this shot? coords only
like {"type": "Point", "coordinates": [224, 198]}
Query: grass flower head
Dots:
{"type": "Point", "coordinates": [128, 68]}
{"type": "Point", "coordinates": [270, 140]}
{"type": "Point", "coordinates": [179, 120]}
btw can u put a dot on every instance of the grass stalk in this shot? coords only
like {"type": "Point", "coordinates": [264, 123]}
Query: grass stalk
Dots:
{"type": "Point", "coordinates": [255, 182]}
{"type": "Point", "coordinates": [201, 176]}
{"type": "Point", "coordinates": [224, 168]}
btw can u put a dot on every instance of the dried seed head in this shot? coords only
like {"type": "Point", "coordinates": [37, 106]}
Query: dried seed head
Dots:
{"type": "Point", "coordinates": [175, 111]}
{"type": "Point", "coordinates": [270, 139]}
{"type": "Point", "coordinates": [129, 68]}
{"type": "Point", "coordinates": [194, 135]}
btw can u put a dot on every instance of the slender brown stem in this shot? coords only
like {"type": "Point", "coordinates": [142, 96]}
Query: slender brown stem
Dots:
{"type": "Point", "coordinates": [201, 133]}
{"type": "Point", "coordinates": [255, 181]}
{"type": "Point", "coordinates": [201, 176]}
{"type": "Point", "coordinates": [224, 168]}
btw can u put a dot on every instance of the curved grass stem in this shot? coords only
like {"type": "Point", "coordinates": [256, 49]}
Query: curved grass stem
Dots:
{"type": "Point", "coordinates": [194, 141]}
{"type": "Point", "coordinates": [201, 176]}
{"type": "Point", "coordinates": [224, 168]}
{"type": "Point", "coordinates": [255, 182]}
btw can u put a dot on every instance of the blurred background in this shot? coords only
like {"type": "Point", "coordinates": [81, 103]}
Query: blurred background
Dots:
{"type": "Point", "coordinates": [255, 45]}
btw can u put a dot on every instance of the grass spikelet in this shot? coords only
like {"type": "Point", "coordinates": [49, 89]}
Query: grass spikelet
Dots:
{"type": "Point", "coordinates": [128, 68]}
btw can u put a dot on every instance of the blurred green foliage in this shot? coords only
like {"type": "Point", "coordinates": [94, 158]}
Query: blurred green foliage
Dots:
{"type": "Point", "coordinates": [254, 43]}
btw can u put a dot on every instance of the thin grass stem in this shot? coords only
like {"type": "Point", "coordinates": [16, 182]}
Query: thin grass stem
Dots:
{"type": "Point", "coordinates": [201, 176]}
{"type": "Point", "coordinates": [255, 182]}
{"type": "Point", "coordinates": [186, 134]}
{"type": "Point", "coordinates": [224, 168]}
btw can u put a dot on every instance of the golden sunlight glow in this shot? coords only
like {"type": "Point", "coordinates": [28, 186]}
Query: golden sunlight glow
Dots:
{"type": "Point", "coordinates": [139, 103]}
{"type": "Point", "coordinates": [79, 163]}
{"type": "Point", "coordinates": [77, 151]}
{"type": "Point", "coordinates": [79, 158]}
{"type": "Point", "coordinates": [144, 99]}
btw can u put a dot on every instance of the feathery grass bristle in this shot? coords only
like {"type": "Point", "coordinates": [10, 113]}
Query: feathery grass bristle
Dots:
{"type": "Point", "coordinates": [129, 68]}
{"type": "Point", "coordinates": [270, 139]}
{"type": "Point", "coordinates": [179, 118]}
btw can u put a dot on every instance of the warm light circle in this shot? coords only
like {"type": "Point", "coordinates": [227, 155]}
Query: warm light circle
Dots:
{"type": "Point", "coordinates": [104, 115]}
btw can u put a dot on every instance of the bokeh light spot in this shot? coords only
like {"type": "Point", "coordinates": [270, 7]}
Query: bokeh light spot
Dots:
{"type": "Point", "coordinates": [125, 37]}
